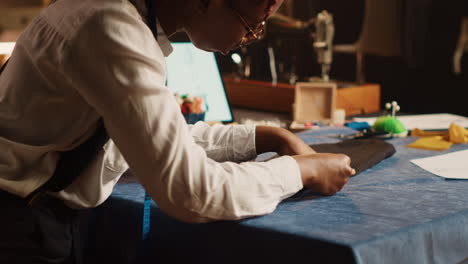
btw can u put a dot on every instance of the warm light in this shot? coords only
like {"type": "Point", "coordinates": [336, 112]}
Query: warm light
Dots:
{"type": "Point", "coordinates": [6, 47]}
{"type": "Point", "coordinates": [236, 58]}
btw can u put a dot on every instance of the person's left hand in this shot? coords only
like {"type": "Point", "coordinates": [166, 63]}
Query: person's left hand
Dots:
{"type": "Point", "coordinates": [293, 145]}
{"type": "Point", "coordinates": [281, 141]}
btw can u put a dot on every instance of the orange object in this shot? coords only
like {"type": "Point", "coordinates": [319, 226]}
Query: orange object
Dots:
{"type": "Point", "coordinates": [431, 143]}
{"type": "Point", "coordinates": [458, 134]}
{"type": "Point", "coordinates": [439, 140]}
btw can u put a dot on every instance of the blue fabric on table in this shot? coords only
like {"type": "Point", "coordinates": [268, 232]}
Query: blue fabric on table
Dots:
{"type": "Point", "coordinates": [394, 212]}
{"type": "Point", "coordinates": [358, 125]}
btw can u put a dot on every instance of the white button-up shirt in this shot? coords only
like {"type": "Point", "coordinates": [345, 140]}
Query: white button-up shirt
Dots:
{"type": "Point", "coordinates": [83, 60]}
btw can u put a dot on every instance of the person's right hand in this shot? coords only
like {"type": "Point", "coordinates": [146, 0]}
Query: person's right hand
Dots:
{"type": "Point", "coordinates": [325, 173]}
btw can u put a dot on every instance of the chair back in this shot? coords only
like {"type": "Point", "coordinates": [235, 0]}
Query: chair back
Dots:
{"type": "Point", "coordinates": [381, 30]}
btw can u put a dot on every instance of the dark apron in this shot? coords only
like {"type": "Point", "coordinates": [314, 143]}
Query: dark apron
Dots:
{"type": "Point", "coordinates": [48, 232]}
{"type": "Point", "coordinates": [41, 228]}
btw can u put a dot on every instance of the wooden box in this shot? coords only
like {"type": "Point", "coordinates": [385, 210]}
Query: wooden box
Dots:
{"type": "Point", "coordinates": [314, 101]}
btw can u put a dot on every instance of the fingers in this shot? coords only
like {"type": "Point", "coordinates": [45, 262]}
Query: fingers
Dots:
{"type": "Point", "coordinates": [347, 159]}
{"type": "Point", "coordinates": [326, 173]}
{"type": "Point", "coordinates": [346, 180]}
{"type": "Point", "coordinates": [336, 187]}
{"type": "Point", "coordinates": [349, 169]}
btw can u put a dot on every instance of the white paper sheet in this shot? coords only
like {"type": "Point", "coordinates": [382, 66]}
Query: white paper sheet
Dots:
{"type": "Point", "coordinates": [427, 122]}
{"type": "Point", "coordinates": [451, 166]}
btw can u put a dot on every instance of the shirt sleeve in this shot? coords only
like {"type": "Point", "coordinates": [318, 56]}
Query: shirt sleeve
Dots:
{"type": "Point", "coordinates": [226, 142]}
{"type": "Point", "coordinates": [118, 68]}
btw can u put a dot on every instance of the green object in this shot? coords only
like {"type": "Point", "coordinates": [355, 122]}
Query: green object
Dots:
{"type": "Point", "coordinates": [390, 124]}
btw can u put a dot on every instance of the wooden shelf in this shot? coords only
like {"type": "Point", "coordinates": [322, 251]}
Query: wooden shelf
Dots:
{"type": "Point", "coordinates": [259, 95]}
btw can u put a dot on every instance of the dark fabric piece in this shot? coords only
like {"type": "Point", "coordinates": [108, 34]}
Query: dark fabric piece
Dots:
{"type": "Point", "coordinates": [364, 153]}
{"type": "Point", "coordinates": [49, 232]}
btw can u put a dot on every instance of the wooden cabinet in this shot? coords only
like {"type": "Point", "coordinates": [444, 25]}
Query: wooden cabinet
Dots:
{"type": "Point", "coordinates": [280, 98]}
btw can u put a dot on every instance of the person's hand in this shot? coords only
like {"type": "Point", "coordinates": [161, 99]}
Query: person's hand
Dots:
{"type": "Point", "coordinates": [325, 173]}
{"type": "Point", "coordinates": [281, 141]}
{"type": "Point", "coordinates": [292, 145]}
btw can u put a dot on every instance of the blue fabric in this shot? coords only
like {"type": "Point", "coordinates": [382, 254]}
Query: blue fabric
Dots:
{"type": "Point", "coordinates": [394, 212]}
{"type": "Point", "coordinates": [358, 125]}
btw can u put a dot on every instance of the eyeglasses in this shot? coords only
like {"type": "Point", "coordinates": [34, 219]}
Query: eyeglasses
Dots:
{"type": "Point", "coordinates": [253, 34]}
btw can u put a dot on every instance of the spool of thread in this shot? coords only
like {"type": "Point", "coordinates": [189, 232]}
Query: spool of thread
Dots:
{"type": "Point", "coordinates": [339, 117]}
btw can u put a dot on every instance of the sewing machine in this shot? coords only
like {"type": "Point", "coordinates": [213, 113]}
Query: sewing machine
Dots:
{"type": "Point", "coordinates": [321, 31]}
{"type": "Point", "coordinates": [323, 42]}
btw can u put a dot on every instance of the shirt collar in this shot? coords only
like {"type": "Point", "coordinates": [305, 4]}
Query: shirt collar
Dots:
{"type": "Point", "coordinates": [163, 40]}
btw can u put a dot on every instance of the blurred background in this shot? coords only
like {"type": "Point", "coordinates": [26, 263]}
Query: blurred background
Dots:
{"type": "Point", "coordinates": [416, 50]}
